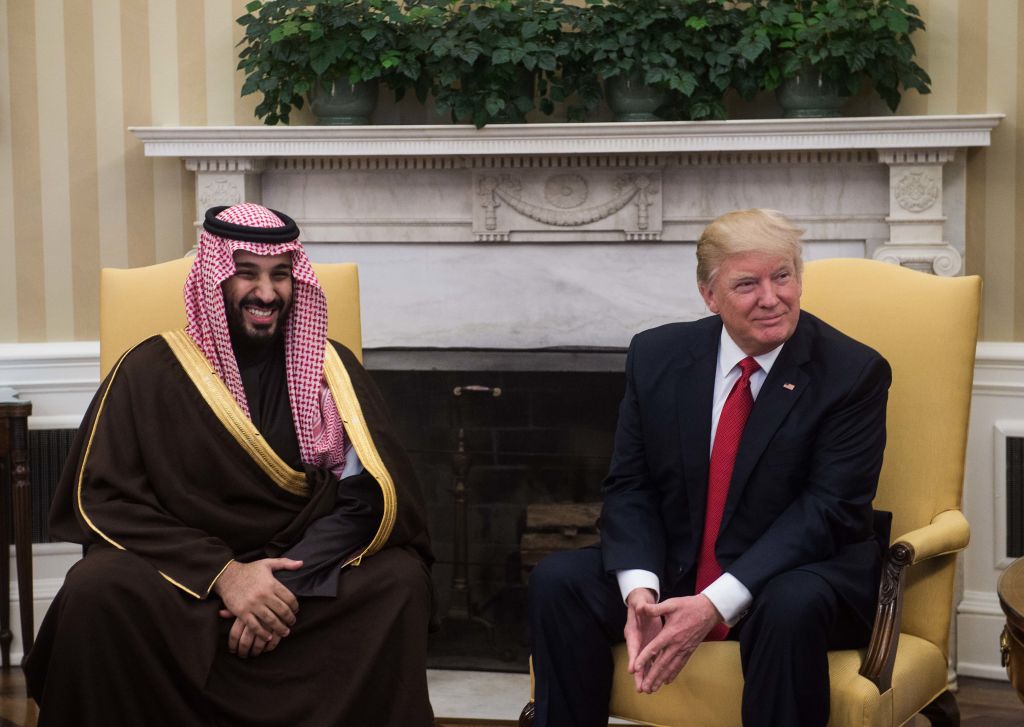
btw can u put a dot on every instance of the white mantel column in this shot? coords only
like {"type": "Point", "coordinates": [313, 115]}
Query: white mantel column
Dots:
{"type": "Point", "coordinates": [916, 223]}
{"type": "Point", "coordinates": [225, 181]}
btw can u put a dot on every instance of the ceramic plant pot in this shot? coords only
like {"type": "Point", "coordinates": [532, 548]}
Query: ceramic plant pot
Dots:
{"type": "Point", "coordinates": [630, 99]}
{"type": "Point", "coordinates": [343, 104]}
{"type": "Point", "coordinates": [808, 96]}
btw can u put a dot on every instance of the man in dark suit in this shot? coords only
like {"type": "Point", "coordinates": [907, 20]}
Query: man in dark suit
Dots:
{"type": "Point", "coordinates": [738, 501]}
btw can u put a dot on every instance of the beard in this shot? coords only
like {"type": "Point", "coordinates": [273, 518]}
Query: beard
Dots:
{"type": "Point", "coordinates": [247, 334]}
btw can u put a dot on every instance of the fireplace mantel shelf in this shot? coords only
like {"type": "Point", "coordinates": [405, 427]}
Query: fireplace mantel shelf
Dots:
{"type": "Point", "coordinates": [885, 132]}
{"type": "Point", "coordinates": [536, 235]}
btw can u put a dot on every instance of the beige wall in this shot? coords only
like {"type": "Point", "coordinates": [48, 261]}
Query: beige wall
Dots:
{"type": "Point", "coordinates": [76, 192]}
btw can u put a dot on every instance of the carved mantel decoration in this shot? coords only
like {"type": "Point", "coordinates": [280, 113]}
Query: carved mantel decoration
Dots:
{"type": "Point", "coordinates": [623, 202]}
{"type": "Point", "coordinates": [572, 221]}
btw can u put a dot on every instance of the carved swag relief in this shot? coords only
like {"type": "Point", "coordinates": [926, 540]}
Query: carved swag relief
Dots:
{"type": "Point", "coordinates": [625, 202]}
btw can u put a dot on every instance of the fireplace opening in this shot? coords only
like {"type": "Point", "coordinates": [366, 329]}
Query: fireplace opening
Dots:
{"type": "Point", "coordinates": [510, 448]}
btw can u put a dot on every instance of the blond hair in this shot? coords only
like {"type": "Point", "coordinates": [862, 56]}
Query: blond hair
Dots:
{"type": "Point", "coordinates": [752, 230]}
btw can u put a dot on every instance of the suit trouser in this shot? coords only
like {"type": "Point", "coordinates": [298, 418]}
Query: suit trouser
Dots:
{"type": "Point", "coordinates": [576, 614]}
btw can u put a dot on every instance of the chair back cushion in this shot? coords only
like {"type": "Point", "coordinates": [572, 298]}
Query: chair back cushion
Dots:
{"type": "Point", "coordinates": [926, 327]}
{"type": "Point", "coordinates": [137, 303]}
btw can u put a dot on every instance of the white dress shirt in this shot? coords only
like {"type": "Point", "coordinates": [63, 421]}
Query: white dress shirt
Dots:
{"type": "Point", "coordinates": [726, 593]}
{"type": "Point", "coordinates": [352, 464]}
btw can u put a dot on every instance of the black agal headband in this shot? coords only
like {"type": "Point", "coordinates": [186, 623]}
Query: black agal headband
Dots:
{"type": "Point", "coordinates": [289, 232]}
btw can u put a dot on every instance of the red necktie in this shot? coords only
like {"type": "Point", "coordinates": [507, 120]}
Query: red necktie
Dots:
{"type": "Point", "coordinates": [723, 457]}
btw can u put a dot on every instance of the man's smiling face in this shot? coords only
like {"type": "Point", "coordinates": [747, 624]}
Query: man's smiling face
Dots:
{"type": "Point", "coordinates": [757, 295]}
{"type": "Point", "coordinates": [258, 297]}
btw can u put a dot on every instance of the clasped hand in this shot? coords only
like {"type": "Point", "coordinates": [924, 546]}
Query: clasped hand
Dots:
{"type": "Point", "coordinates": [661, 637]}
{"type": "Point", "coordinates": [263, 608]}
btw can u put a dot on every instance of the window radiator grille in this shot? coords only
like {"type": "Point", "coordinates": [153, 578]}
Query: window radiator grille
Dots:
{"type": "Point", "coordinates": [1015, 497]}
{"type": "Point", "coordinates": [47, 448]}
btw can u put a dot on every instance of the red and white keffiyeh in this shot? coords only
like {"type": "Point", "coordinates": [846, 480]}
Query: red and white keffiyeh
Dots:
{"type": "Point", "coordinates": [318, 425]}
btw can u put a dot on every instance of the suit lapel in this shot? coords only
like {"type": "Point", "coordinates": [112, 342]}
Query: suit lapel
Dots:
{"type": "Point", "coordinates": [785, 384]}
{"type": "Point", "coordinates": [695, 387]}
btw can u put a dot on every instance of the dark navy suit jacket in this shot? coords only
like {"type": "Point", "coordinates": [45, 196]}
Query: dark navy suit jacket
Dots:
{"type": "Point", "coordinates": [804, 477]}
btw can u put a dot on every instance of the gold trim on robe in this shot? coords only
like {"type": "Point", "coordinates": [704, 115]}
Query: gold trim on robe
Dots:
{"type": "Point", "coordinates": [81, 477]}
{"type": "Point", "coordinates": [226, 409]}
{"type": "Point", "coordinates": [88, 448]}
{"type": "Point", "coordinates": [356, 429]}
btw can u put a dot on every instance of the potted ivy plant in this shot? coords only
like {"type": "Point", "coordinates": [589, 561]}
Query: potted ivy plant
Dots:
{"type": "Point", "coordinates": [331, 52]}
{"type": "Point", "coordinates": [822, 51]}
{"type": "Point", "coordinates": [495, 61]}
{"type": "Point", "coordinates": [654, 57]}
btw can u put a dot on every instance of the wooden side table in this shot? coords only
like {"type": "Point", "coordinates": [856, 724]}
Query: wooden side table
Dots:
{"type": "Point", "coordinates": [1010, 589]}
{"type": "Point", "coordinates": [16, 498]}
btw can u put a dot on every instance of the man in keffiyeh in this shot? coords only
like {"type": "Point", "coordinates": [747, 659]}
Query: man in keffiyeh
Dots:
{"type": "Point", "coordinates": [256, 548]}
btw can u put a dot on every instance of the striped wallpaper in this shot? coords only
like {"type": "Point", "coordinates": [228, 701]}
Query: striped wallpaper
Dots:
{"type": "Point", "coordinates": [77, 194]}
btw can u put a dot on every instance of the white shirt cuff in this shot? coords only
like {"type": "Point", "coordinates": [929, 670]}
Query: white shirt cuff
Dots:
{"type": "Point", "coordinates": [729, 596]}
{"type": "Point", "coordinates": [633, 578]}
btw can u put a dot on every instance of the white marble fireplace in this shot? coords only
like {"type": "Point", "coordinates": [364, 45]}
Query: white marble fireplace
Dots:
{"type": "Point", "coordinates": [565, 235]}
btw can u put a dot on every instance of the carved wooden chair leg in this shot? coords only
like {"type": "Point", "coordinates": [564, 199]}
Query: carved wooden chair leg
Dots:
{"type": "Point", "coordinates": [526, 717]}
{"type": "Point", "coordinates": [943, 711]}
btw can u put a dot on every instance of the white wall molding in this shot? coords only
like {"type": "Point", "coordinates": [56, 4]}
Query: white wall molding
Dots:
{"type": "Point", "coordinates": [979, 603]}
{"type": "Point", "coordinates": [997, 369]}
{"type": "Point", "coordinates": [979, 623]}
{"type": "Point", "coordinates": [58, 378]}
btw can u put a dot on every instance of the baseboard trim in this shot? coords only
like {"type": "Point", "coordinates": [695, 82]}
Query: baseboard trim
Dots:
{"type": "Point", "coordinates": [980, 603]}
{"type": "Point", "coordinates": [982, 671]}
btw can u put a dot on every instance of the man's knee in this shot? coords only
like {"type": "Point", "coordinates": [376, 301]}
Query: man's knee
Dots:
{"type": "Point", "coordinates": [793, 604]}
{"type": "Point", "coordinates": [564, 576]}
{"type": "Point", "coordinates": [402, 574]}
{"type": "Point", "coordinates": [104, 578]}
{"type": "Point", "coordinates": [550, 574]}
{"type": "Point", "coordinates": [570, 591]}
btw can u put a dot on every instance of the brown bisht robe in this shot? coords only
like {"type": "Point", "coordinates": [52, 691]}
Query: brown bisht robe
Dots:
{"type": "Point", "coordinates": [168, 482]}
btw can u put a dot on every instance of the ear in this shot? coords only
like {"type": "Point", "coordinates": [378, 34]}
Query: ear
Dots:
{"type": "Point", "coordinates": [708, 294]}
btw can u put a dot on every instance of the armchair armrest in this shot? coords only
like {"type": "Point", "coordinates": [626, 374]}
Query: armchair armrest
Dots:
{"type": "Point", "coordinates": [947, 533]}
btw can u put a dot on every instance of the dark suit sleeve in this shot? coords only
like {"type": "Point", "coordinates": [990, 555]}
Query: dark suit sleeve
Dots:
{"type": "Point", "coordinates": [834, 508]}
{"type": "Point", "coordinates": [632, 535]}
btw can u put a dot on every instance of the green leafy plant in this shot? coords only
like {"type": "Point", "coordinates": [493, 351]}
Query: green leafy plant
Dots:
{"type": "Point", "coordinates": [496, 60]}
{"type": "Point", "coordinates": [290, 45]}
{"type": "Point", "coordinates": [687, 47]}
{"type": "Point", "coordinates": [846, 41]}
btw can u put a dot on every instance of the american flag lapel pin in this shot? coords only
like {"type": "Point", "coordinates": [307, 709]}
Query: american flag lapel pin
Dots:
{"type": "Point", "coordinates": [789, 387]}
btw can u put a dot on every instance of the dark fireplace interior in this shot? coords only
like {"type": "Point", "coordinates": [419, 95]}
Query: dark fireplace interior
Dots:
{"type": "Point", "coordinates": [545, 438]}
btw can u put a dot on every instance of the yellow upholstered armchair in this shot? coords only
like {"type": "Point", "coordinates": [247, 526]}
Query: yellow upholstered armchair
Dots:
{"type": "Point", "coordinates": [137, 303]}
{"type": "Point", "coordinates": [926, 326]}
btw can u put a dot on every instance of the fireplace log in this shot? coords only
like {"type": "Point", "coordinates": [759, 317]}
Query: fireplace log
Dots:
{"type": "Point", "coordinates": [551, 527]}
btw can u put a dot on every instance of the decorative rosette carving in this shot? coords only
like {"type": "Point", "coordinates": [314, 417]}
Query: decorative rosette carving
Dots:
{"type": "Point", "coordinates": [917, 191]}
{"type": "Point", "coordinates": [566, 191]}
